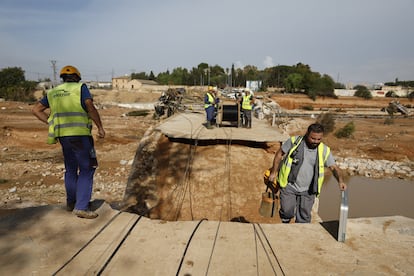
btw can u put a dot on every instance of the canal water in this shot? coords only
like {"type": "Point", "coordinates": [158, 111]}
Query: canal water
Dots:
{"type": "Point", "coordinates": [368, 198]}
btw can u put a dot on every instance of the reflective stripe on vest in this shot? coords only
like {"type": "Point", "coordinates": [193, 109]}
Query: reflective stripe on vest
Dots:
{"type": "Point", "coordinates": [211, 100]}
{"type": "Point", "coordinates": [67, 117]}
{"type": "Point", "coordinates": [246, 103]}
{"type": "Point", "coordinates": [323, 153]}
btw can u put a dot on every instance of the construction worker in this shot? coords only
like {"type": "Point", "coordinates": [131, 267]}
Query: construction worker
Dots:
{"type": "Point", "coordinates": [247, 106]}
{"type": "Point", "coordinates": [298, 167]}
{"type": "Point", "coordinates": [70, 123]}
{"type": "Point", "coordinates": [210, 101]}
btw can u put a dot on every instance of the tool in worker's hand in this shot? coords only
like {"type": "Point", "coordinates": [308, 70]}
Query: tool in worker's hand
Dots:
{"type": "Point", "coordinates": [343, 216]}
{"type": "Point", "coordinates": [269, 204]}
{"type": "Point", "coordinates": [272, 185]}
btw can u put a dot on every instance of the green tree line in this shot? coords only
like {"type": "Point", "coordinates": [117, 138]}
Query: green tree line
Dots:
{"type": "Point", "coordinates": [298, 78]}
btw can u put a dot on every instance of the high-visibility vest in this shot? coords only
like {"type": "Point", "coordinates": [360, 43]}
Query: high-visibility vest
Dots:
{"type": "Point", "coordinates": [246, 102]}
{"type": "Point", "coordinates": [211, 101]}
{"type": "Point", "coordinates": [67, 117]}
{"type": "Point", "coordinates": [323, 153]}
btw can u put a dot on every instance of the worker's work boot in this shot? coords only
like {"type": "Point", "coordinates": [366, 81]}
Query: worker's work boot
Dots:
{"type": "Point", "coordinates": [209, 126]}
{"type": "Point", "coordinates": [85, 214]}
{"type": "Point", "coordinates": [70, 206]}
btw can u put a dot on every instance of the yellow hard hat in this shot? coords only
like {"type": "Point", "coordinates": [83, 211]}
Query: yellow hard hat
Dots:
{"type": "Point", "coordinates": [210, 88]}
{"type": "Point", "coordinates": [70, 70]}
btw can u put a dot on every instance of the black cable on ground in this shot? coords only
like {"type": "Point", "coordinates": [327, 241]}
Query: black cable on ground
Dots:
{"type": "Point", "coordinates": [271, 249]}
{"type": "Point", "coordinates": [86, 244]}
{"type": "Point", "coordinates": [119, 246]}
{"type": "Point", "coordinates": [188, 244]}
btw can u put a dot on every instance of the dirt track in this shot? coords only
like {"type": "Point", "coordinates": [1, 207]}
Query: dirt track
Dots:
{"type": "Point", "coordinates": [31, 172]}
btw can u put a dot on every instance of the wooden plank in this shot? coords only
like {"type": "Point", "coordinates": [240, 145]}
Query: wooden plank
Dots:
{"type": "Point", "coordinates": [234, 251]}
{"type": "Point", "coordinates": [200, 249]}
{"type": "Point", "coordinates": [152, 248]}
{"type": "Point", "coordinates": [94, 256]}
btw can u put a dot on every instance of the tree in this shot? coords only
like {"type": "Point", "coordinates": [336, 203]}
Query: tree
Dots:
{"type": "Point", "coordinates": [323, 86]}
{"type": "Point", "coordinates": [293, 82]}
{"type": "Point", "coordinates": [179, 76]}
{"type": "Point", "coordinates": [11, 76]}
{"type": "Point", "coordinates": [151, 76]}
{"type": "Point", "coordinates": [362, 92]}
{"type": "Point", "coordinates": [139, 76]}
{"type": "Point", "coordinates": [163, 78]}
{"type": "Point", "coordinates": [13, 85]}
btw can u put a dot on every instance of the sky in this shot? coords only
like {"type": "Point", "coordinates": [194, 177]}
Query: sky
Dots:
{"type": "Point", "coordinates": [353, 41]}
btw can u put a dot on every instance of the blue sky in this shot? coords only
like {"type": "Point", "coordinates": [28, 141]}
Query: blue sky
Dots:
{"type": "Point", "coordinates": [353, 41]}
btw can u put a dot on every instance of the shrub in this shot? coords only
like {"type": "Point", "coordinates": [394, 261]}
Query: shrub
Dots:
{"type": "Point", "coordinates": [327, 120]}
{"type": "Point", "coordinates": [307, 107]}
{"type": "Point", "coordinates": [138, 113]}
{"type": "Point", "coordinates": [388, 121]}
{"type": "Point", "coordinates": [346, 131]}
{"type": "Point", "coordinates": [362, 92]}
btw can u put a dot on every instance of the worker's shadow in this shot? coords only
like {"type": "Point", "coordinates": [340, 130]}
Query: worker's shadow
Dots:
{"type": "Point", "coordinates": [96, 204]}
{"type": "Point", "coordinates": [332, 227]}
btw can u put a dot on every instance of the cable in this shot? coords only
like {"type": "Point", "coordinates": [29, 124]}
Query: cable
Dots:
{"type": "Point", "coordinates": [212, 249]}
{"type": "Point", "coordinates": [119, 246]}
{"type": "Point", "coordinates": [86, 244]}
{"type": "Point", "coordinates": [188, 244]}
{"type": "Point", "coordinates": [270, 247]}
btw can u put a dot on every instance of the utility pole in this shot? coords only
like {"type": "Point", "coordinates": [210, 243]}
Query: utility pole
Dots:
{"type": "Point", "coordinates": [54, 72]}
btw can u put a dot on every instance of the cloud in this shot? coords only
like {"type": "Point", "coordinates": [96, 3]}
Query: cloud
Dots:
{"type": "Point", "coordinates": [268, 62]}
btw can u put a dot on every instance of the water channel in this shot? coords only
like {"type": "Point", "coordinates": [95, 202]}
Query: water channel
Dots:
{"type": "Point", "coordinates": [368, 197]}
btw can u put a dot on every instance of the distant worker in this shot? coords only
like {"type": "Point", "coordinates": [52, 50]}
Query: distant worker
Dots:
{"type": "Point", "coordinates": [298, 167]}
{"type": "Point", "coordinates": [210, 101]}
{"type": "Point", "coordinates": [239, 101]}
{"type": "Point", "coordinates": [247, 106]}
{"type": "Point", "coordinates": [70, 123]}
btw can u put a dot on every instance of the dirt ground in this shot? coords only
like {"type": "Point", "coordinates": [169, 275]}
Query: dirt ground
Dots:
{"type": "Point", "coordinates": [31, 172]}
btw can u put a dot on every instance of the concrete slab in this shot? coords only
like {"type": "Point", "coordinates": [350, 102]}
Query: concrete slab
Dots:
{"type": "Point", "coordinates": [190, 125]}
{"type": "Point", "coordinates": [48, 240]}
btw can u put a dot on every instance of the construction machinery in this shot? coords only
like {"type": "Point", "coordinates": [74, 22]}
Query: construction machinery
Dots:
{"type": "Point", "coordinates": [396, 107]}
{"type": "Point", "coordinates": [169, 102]}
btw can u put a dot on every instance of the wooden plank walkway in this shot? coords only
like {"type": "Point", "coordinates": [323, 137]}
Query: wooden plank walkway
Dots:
{"type": "Point", "coordinates": [48, 240]}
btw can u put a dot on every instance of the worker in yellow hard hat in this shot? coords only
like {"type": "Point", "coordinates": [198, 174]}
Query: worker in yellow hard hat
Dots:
{"type": "Point", "coordinates": [210, 101]}
{"type": "Point", "coordinates": [70, 123]}
{"type": "Point", "coordinates": [247, 106]}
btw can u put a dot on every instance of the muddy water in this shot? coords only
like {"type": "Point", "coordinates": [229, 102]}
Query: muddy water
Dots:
{"type": "Point", "coordinates": [368, 198]}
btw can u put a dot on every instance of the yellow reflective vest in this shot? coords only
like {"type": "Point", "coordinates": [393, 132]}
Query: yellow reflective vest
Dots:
{"type": "Point", "coordinates": [286, 165]}
{"type": "Point", "coordinates": [246, 102]}
{"type": "Point", "coordinates": [67, 117]}
{"type": "Point", "coordinates": [211, 101]}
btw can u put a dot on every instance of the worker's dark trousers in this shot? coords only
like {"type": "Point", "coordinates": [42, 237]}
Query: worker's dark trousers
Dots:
{"type": "Point", "coordinates": [247, 118]}
{"type": "Point", "coordinates": [295, 204]}
{"type": "Point", "coordinates": [80, 167]}
{"type": "Point", "coordinates": [210, 113]}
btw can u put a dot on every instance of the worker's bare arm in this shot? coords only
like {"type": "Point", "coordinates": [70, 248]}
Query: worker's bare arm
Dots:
{"type": "Point", "coordinates": [39, 111]}
{"type": "Point", "coordinates": [337, 173]}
